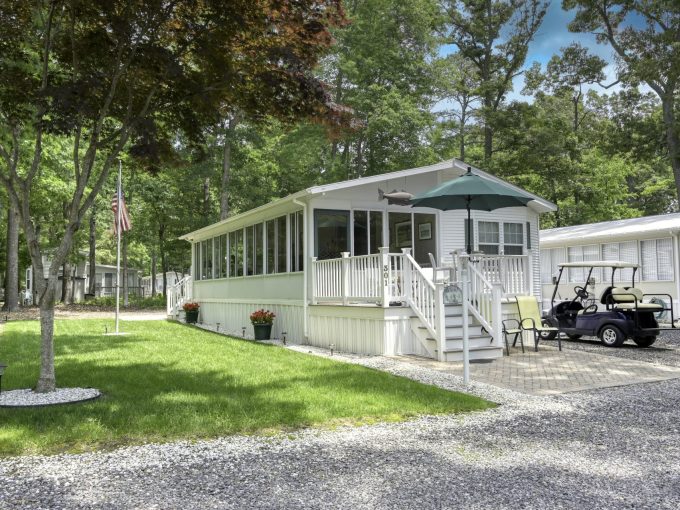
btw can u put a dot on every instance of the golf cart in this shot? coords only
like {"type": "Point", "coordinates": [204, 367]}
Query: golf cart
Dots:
{"type": "Point", "coordinates": [619, 313]}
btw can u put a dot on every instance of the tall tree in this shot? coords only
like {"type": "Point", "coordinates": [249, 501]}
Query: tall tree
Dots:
{"type": "Point", "coordinates": [106, 73]}
{"type": "Point", "coordinates": [494, 35]}
{"type": "Point", "coordinates": [647, 53]}
{"type": "Point", "coordinates": [12, 257]}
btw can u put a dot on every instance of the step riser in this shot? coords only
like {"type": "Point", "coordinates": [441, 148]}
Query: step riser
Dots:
{"type": "Point", "coordinates": [485, 354]}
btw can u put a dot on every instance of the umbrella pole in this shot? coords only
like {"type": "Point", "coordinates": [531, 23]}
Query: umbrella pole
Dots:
{"type": "Point", "coordinates": [469, 228]}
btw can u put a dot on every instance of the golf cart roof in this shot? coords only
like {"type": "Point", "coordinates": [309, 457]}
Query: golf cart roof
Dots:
{"type": "Point", "coordinates": [599, 263]}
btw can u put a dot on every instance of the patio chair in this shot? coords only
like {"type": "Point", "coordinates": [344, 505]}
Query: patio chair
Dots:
{"type": "Point", "coordinates": [529, 320]}
{"type": "Point", "coordinates": [448, 271]}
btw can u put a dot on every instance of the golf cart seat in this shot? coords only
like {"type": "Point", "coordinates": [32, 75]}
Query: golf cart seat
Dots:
{"type": "Point", "coordinates": [631, 299]}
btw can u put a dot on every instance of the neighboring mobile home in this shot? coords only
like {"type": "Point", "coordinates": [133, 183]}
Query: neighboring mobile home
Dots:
{"type": "Point", "coordinates": [340, 264]}
{"type": "Point", "coordinates": [652, 242]}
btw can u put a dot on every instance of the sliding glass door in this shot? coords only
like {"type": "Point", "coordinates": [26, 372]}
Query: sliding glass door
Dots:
{"type": "Point", "coordinates": [332, 233]}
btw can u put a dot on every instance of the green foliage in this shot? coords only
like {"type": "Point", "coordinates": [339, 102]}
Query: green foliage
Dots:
{"type": "Point", "coordinates": [135, 302]}
{"type": "Point", "coordinates": [164, 382]}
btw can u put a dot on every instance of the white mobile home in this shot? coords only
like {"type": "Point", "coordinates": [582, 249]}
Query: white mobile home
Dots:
{"type": "Point", "coordinates": [339, 264]}
{"type": "Point", "coordinates": [652, 242]}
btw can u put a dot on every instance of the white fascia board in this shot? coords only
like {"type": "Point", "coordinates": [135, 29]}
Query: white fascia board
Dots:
{"type": "Point", "coordinates": [252, 216]}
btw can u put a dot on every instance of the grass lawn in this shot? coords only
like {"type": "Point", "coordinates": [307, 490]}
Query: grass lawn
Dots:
{"type": "Point", "coordinates": [166, 381]}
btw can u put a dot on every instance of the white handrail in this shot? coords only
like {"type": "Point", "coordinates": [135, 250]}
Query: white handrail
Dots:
{"type": "Point", "coordinates": [485, 303]}
{"type": "Point", "coordinates": [179, 294]}
{"type": "Point", "coordinates": [511, 271]}
{"type": "Point", "coordinates": [421, 294]}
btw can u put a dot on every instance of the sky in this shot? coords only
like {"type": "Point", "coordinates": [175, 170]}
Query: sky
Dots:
{"type": "Point", "coordinates": [551, 36]}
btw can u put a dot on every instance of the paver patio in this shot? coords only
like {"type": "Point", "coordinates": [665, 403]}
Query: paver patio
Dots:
{"type": "Point", "coordinates": [550, 371]}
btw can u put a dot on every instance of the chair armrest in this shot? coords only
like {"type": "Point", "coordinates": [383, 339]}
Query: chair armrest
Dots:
{"type": "Point", "coordinates": [533, 324]}
{"type": "Point", "coordinates": [506, 321]}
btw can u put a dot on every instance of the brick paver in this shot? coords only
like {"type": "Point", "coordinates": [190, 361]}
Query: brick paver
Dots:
{"type": "Point", "coordinates": [550, 371]}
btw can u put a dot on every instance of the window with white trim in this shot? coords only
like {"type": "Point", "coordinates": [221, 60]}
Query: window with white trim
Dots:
{"type": "Point", "coordinates": [550, 261]}
{"type": "Point", "coordinates": [488, 237]}
{"type": "Point", "coordinates": [657, 259]}
{"type": "Point", "coordinates": [623, 252]}
{"type": "Point", "coordinates": [584, 253]}
{"type": "Point", "coordinates": [513, 239]}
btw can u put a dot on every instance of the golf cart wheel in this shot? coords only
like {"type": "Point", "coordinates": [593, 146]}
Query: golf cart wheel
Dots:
{"type": "Point", "coordinates": [573, 337]}
{"type": "Point", "coordinates": [548, 335]}
{"type": "Point", "coordinates": [644, 341]}
{"type": "Point", "coordinates": [611, 336]}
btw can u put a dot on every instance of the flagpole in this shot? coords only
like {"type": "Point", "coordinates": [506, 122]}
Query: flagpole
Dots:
{"type": "Point", "coordinates": [118, 216]}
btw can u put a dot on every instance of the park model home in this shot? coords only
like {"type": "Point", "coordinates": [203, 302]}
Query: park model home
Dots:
{"type": "Point", "coordinates": [349, 264]}
{"type": "Point", "coordinates": [652, 242]}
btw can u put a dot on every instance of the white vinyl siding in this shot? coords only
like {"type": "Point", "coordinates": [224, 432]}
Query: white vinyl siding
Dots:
{"type": "Point", "coordinates": [657, 259]}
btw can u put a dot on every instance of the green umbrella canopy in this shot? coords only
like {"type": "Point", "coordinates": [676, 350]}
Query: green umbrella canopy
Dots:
{"type": "Point", "coordinates": [471, 191]}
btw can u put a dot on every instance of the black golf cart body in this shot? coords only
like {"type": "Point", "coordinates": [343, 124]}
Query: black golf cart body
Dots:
{"type": "Point", "coordinates": [617, 314]}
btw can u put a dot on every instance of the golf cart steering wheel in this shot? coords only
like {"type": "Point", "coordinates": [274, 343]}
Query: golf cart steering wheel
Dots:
{"type": "Point", "coordinates": [581, 293]}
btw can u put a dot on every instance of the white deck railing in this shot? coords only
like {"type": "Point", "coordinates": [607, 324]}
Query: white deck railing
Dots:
{"type": "Point", "coordinates": [179, 294]}
{"type": "Point", "coordinates": [511, 271]}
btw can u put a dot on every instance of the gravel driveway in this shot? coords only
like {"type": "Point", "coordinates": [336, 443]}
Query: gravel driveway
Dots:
{"type": "Point", "coordinates": [610, 448]}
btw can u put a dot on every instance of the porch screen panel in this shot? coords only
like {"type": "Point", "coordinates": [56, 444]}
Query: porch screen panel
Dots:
{"type": "Point", "coordinates": [295, 239]}
{"type": "Point", "coordinates": [224, 248]}
{"type": "Point", "coordinates": [282, 247]}
{"type": "Point", "coordinates": [209, 260]}
{"type": "Point", "coordinates": [360, 230]}
{"type": "Point", "coordinates": [488, 237]}
{"type": "Point", "coordinates": [425, 235]}
{"type": "Point", "coordinates": [239, 252]}
{"type": "Point", "coordinates": [301, 240]}
{"type": "Point", "coordinates": [376, 231]}
{"type": "Point", "coordinates": [217, 257]}
{"type": "Point", "coordinates": [271, 247]}
{"type": "Point", "coordinates": [259, 248]}
{"type": "Point", "coordinates": [331, 233]}
{"type": "Point", "coordinates": [250, 250]}
{"type": "Point", "coordinates": [197, 261]}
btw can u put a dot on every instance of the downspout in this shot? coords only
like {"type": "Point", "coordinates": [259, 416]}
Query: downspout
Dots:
{"type": "Point", "coordinates": [306, 269]}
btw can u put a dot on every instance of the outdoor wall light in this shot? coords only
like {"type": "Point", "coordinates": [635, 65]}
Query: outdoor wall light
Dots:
{"type": "Point", "coordinates": [2, 371]}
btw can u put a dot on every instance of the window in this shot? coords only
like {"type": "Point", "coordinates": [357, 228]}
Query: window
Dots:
{"type": "Point", "coordinates": [585, 253]}
{"type": "Point", "coordinates": [236, 253]}
{"type": "Point", "coordinates": [250, 250]}
{"type": "Point", "coordinates": [360, 228]}
{"type": "Point", "coordinates": [259, 248]}
{"type": "Point", "coordinates": [489, 237]}
{"type": "Point", "coordinates": [224, 261]}
{"type": "Point", "coordinates": [513, 239]}
{"type": "Point", "coordinates": [204, 260]}
{"type": "Point", "coordinates": [375, 231]}
{"type": "Point", "coordinates": [197, 261]}
{"type": "Point", "coordinates": [301, 241]}
{"type": "Point", "coordinates": [624, 252]}
{"type": "Point", "coordinates": [657, 260]}
{"type": "Point", "coordinates": [281, 247]}
{"type": "Point", "coordinates": [332, 233]}
{"type": "Point", "coordinates": [271, 247]}
{"type": "Point", "coordinates": [296, 240]}
{"type": "Point", "coordinates": [217, 257]}
{"type": "Point", "coordinates": [550, 261]}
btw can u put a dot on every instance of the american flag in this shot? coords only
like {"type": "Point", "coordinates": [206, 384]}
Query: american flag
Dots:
{"type": "Point", "coordinates": [125, 223]}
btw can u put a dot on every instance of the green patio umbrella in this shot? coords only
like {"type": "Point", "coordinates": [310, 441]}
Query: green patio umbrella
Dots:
{"type": "Point", "coordinates": [471, 191]}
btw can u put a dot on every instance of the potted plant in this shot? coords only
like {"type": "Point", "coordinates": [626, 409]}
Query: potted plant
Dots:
{"type": "Point", "coordinates": [262, 324]}
{"type": "Point", "coordinates": [191, 312]}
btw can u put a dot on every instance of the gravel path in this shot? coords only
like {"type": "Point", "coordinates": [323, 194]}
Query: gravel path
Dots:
{"type": "Point", "coordinates": [612, 448]}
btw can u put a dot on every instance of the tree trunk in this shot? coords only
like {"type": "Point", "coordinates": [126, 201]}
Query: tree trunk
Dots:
{"type": "Point", "coordinates": [206, 199]}
{"type": "Point", "coordinates": [153, 273]}
{"type": "Point", "coordinates": [12, 272]}
{"type": "Point", "coordinates": [92, 257]}
{"type": "Point", "coordinates": [164, 261]}
{"type": "Point", "coordinates": [47, 381]}
{"type": "Point", "coordinates": [65, 282]}
{"type": "Point", "coordinates": [125, 270]}
{"type": "Point", "coordinates": [488, 141]}
{"type": "Point", "coordinates": [226, 165]}
{"type": "Point", "coordinates": [672, 137]}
